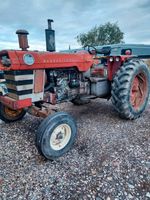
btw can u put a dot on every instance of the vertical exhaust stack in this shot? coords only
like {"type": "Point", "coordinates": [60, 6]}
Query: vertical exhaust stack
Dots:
{"type": "Point", "coordinates": [50, 37]}
{"type": "Point", "coordinates": [23, 40]}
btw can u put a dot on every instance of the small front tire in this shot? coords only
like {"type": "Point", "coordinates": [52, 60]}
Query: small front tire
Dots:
{"type": "Point", "coordinates": [9, 115]}
{"type": "Point", "coordinates": [56, 135]}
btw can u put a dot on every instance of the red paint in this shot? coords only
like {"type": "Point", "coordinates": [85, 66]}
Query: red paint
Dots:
{"type": "Point", "coordinates": [43, 60]}
{"type": "Point", "coordinates": [138, 90]}
{"type": "Point", "coordinates": [115, 65]}
{"type": "Point", "coordinates": [39, 81]}
{"type": "Point", "coordinates": [98, 71]}
{"type": "Point", "coordinates": [15, 104]}
{"type": "Point", "coordinates": [128, 52]}
{"type": "Point", "coordinates": [82, 60]}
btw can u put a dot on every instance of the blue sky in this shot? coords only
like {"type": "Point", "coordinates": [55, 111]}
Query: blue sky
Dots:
{"type": "Point", "coordinates": [71, 17]}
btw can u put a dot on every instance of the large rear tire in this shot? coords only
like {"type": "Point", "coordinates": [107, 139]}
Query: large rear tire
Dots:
{"type": "Point", "coordinates": [131, 88]}
{"type": "Point", "coordinates": [9, 115]}
{"type": "Point", "coordinates": [56, 135]}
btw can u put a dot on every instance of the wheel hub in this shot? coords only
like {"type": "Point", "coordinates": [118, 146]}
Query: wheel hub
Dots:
{"type": "Point", "coordinates": [60, 137]}
{"type": "Point", "coordinates": [138, 90]}
{"type": "Point", "coordinates": [12, 113]}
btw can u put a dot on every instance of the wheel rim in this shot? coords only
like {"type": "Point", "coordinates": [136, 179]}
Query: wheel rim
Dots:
{"type": "Point", "coordinates": [12, 113]}
{"type": "Point", "coordinates": [139, 90]}
{"type": "Point", "coordinates": [60, 137]}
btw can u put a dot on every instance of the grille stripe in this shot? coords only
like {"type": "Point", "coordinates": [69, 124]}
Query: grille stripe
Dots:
{"type": "Point", "coordinates": [19, 77]}
{"type": "Point", "coordinates": [25, 82]}
{"type": "Point", "coordinates": [23, 92]}
{"type": "Point", "coordinates": [20, 84]}
{"type": "Point", "coordinates": [18, 72]}
{"type": "Point", "coordinates": [20, 87]}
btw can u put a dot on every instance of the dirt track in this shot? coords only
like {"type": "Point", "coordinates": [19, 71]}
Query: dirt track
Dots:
{"type": "Point", "coordinates": [110, 159]}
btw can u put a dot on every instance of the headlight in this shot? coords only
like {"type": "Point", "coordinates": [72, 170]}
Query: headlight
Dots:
{"type": "Point", "coordinates": [111, 59]}
{"type": "Point", "coordinates": [28, 59]}
{"type": "Point", "coordinates": [117, 59]}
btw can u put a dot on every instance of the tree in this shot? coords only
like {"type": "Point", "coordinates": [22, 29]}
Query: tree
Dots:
{"type": "Point", "coordinates": [108, 33]}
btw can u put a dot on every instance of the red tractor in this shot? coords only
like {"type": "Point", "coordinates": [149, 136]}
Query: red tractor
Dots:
{"type": "Point", "coordinates": [35, 79]}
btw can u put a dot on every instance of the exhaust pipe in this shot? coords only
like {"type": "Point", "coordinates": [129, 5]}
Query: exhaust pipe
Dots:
{"type": "Point", "coordinates": [23, 40]}
{"type": "Point", "coordinates": [50, 37]}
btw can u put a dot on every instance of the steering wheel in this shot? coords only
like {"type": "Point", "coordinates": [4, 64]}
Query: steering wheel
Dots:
{"type": "Point", "coordinates": [91, 49]}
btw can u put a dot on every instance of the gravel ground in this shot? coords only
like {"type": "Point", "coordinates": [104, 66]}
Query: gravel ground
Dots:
{"type": "Point", "coordinates": [110, 159]}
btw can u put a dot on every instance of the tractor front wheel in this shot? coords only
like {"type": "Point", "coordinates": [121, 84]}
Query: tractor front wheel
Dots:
{"type": "Point", "coordinates": [131, 88]}
{"type": "Point", "coordinates": [56, 135]}
{"type": "Point", "coordinates": [9, 115]}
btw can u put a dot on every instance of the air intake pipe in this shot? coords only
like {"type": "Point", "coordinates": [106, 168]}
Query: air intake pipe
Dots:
{"type": "Point", "coordinates": [23, 39]}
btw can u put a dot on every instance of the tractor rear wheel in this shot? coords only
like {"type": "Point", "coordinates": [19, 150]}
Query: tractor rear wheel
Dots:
{"type": "Point", "coordinates": [56, 135]}
{"type": "Point", "coordinates": [9, 115]}
{"type": "Point", "coordinates": [131, 88]}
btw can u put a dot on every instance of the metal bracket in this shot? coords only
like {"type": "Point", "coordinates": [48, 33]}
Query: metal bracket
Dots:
{"type": "Point", "coordinates": [3, 89]}
{"type": "Point", "coordinates": [41, 112]}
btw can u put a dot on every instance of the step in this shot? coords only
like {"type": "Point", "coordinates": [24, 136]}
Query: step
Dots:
{"type": "Point", "coordinates": [97, 79]}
